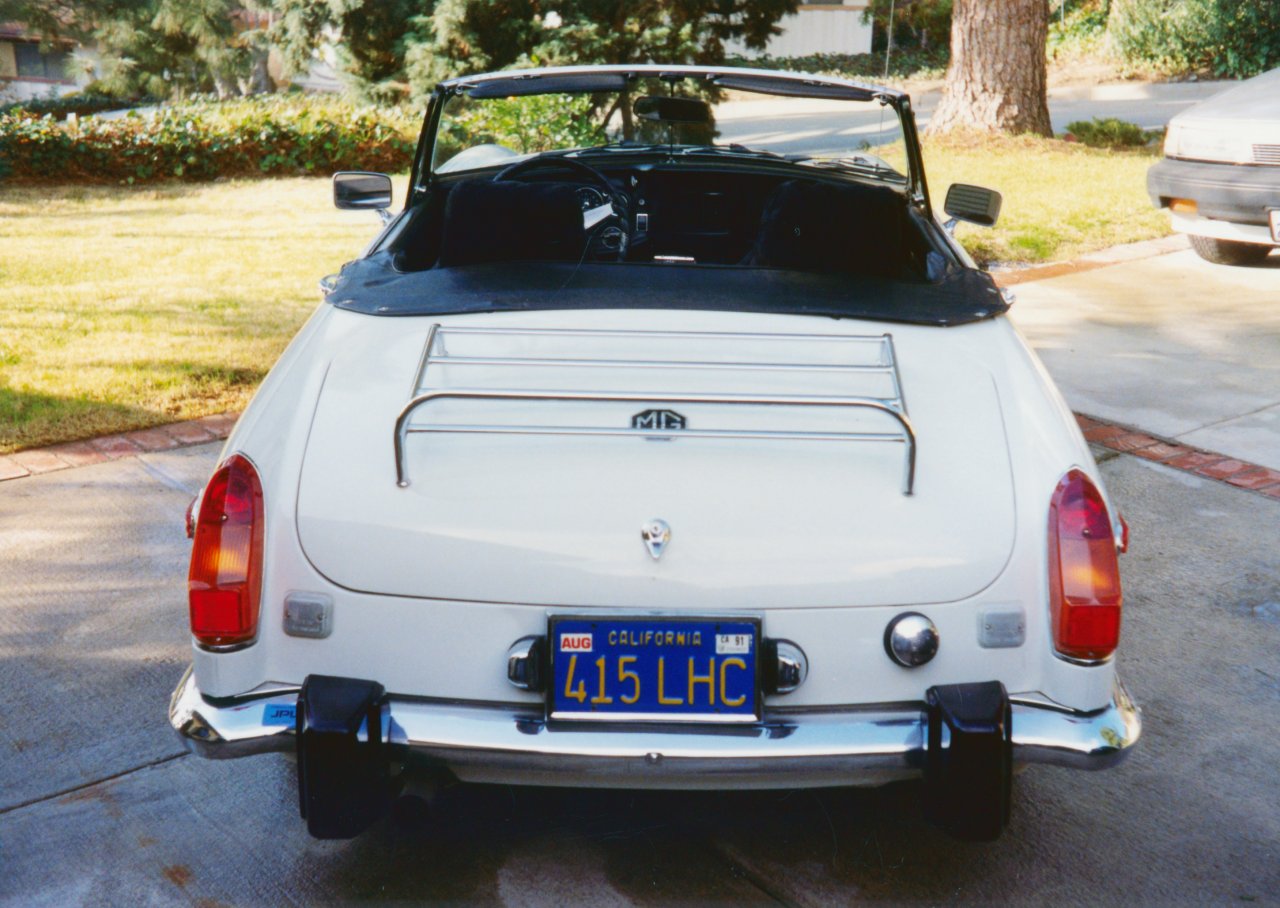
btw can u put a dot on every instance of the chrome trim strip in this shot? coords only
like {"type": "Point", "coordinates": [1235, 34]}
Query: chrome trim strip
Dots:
{"type": "Point", "coordinates": [792, 750]}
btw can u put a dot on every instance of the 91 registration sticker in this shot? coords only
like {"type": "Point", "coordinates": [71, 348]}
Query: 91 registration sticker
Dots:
{"type": "Point", "coordinates": [733, 643]}
{"type": "Point", "coordinates": [655, 669]}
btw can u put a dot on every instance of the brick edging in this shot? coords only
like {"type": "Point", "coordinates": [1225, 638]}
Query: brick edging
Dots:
{"type": "Point", "coordinates": [1090, 261]}
{"type": "Point", "coordinates": [33, 461]}
{"type": "Point", "coordinates": [1113, 436]}
{"type": "Point", "coordinates": [1198, 462]}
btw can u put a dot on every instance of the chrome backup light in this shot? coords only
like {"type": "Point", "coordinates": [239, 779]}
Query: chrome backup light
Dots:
{"type": "Point", "coordinates": [911, 639]}
{"type": "Point", "coordinates": [793, 667]}
{"type": "Point", "coordinates": [524, 663]}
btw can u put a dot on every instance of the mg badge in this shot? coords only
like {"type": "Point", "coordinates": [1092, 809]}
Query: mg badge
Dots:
{"type": "Point", "coordinates": [663, 420]}
{"type": "Point", "coordinates": [656, 534]}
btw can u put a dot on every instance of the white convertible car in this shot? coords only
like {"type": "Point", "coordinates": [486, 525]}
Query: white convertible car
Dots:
{"type": "Point", "coordinates": [679, 447]}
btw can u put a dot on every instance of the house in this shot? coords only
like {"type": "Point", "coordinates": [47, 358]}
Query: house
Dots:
{"type": "Point", "coordinates": [28, 70]}
{"type": "Point", "coordinates": [817, 27]}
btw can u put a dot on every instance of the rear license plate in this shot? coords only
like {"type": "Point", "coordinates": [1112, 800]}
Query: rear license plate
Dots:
{"type": "Point", "coordinates": [1274, 215]}
{"type": "Point", "coordinates": [655, 669]}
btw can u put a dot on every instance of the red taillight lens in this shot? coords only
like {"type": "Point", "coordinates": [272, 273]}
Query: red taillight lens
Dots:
{"type": "Point", "coordinates": [1084, 574]}
{"type": "Point", "coordinates": [226, 558]}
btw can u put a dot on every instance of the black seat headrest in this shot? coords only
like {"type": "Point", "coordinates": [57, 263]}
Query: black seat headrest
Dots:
{"type": "Point", "coordinates": [511, 221]}
{"type": "Point", "coordinates": [832, 227]}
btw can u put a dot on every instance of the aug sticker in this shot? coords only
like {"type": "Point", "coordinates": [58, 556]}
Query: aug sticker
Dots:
{"type": "Point", "coordinates": [279, 714]}
{"type": "Point", "coordinates": [575, 643]}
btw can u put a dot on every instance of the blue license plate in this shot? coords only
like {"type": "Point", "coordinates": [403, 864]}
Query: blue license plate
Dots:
{"type": "Point", "coordinates": [655, 669]}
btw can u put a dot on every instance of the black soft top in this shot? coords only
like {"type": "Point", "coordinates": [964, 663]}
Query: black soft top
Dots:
{"type": "Point", "coordinates": [373, 286]}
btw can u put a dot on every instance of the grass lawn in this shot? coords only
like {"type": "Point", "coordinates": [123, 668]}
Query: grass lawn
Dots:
{"type": "Point", "coordinates": [1060, 199]}
{"type": "Point", "coordinates": [125, 308]}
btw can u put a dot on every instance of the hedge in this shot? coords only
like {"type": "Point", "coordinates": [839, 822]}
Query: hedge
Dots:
{"type": "Point", "coordinates": [204, 140]}
{"type": "Point", "coordinates": [904, 63]}
{"type": "Point", "coordinates": [1227, 38]}
{"type": "Point", "coordinates": [79, 104]}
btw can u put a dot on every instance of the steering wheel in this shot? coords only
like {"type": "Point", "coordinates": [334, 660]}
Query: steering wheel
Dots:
{"type": "Point", "coordinates": [520, 168]}
{"type": "Point", "coordinates": [609, 240]}
{"type": "Point", "coordinates": [608, 236]}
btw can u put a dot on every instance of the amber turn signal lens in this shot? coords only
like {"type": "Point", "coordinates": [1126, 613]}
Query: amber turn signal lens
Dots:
{"type": "Point", "coordinates": [1183, 206]}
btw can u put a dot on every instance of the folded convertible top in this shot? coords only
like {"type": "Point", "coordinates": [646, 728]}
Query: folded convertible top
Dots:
{"type": "Point", "coordinates": [373, 286]}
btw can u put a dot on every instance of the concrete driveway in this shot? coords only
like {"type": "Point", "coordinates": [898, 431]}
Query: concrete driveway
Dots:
{"type": "Point", "coordinates": [1170, 344]}
{"type": "Point", "coordinates": [100, 805]}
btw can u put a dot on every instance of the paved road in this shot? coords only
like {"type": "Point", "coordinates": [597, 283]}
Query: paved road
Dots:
{"type": "Point", "coordinates": [809, 126]}
{"type": "Point", "coordinates": [99, 805]}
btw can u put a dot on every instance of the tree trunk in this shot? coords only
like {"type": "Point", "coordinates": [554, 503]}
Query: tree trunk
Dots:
{"type": "Point", "coordinates": [260, 81]}
{"type": "Point", "coordinates": [996, 80]}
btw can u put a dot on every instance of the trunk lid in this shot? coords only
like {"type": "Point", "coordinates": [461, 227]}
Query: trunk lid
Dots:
{"type": "Point", "coordinates": [527, 507]}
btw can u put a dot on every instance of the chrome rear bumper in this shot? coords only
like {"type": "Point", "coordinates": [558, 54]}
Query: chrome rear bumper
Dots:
{"type": "Point", "coordinates": [789, 750]}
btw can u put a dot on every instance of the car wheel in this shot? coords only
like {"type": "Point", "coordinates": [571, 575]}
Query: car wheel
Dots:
{"type": "Point", "coordinates": [1229, 252]}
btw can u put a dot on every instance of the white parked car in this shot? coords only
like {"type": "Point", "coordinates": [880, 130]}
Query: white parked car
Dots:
{"type": "Point", "coordinates": [669, 450]}
{"type": "Point", "coordinates": [1220, 179]}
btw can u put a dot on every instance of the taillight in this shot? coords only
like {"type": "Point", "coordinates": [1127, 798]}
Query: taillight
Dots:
{"type": "Point", "coordinates": [1084, 574]}
{"type": "Point", "coordinates": [226, 559]}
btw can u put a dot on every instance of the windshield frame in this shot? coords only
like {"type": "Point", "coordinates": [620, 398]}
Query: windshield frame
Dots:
{"type": "Point", "coordinates": [572, 79]}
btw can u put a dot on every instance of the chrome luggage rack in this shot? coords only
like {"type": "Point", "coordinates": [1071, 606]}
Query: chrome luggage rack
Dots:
{"type": "Point", "coordinates": [876, 349]}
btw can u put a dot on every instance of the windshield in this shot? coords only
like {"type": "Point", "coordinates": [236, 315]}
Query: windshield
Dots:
{"type": "Point", "coordinates": [680, 115]}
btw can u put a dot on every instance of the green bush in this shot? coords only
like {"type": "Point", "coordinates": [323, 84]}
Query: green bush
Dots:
{"type": "Point", "coordinates": [916, 23]}
{"type": "Point", "coordinates": [203, 140]}
{"type": "Point", "coordinates": [1231, 38]}
{"type": "Point", "coordinates": [1108, 132]}
{"type": "Point", "coordinates": [524, 124]}
{"type": "Point", "coordinates": [1081, 32]}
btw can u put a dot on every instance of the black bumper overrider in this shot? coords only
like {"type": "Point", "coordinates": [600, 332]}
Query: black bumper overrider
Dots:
{"type": "Point", "coordinates": [969, 761]}
{"type": "Point", "coordinates": [1230, 192]}
{"type": "Point", "coordinates": [344, 765]}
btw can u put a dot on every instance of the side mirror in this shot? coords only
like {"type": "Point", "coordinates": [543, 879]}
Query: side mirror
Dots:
{"type": "Point", "coordinates": [360, 191]}
{"type": "Point", "coordinates": [973, 204]}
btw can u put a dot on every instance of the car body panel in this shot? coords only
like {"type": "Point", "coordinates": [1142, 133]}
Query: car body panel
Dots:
{"type": "Point", "coordinates": [813, 523]}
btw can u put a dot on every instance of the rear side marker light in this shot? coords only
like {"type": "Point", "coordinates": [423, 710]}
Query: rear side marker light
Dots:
{"type": "Point", "coordinates": [1084, 573]}
{"type": "Point", "coordinates": [225, 582]}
